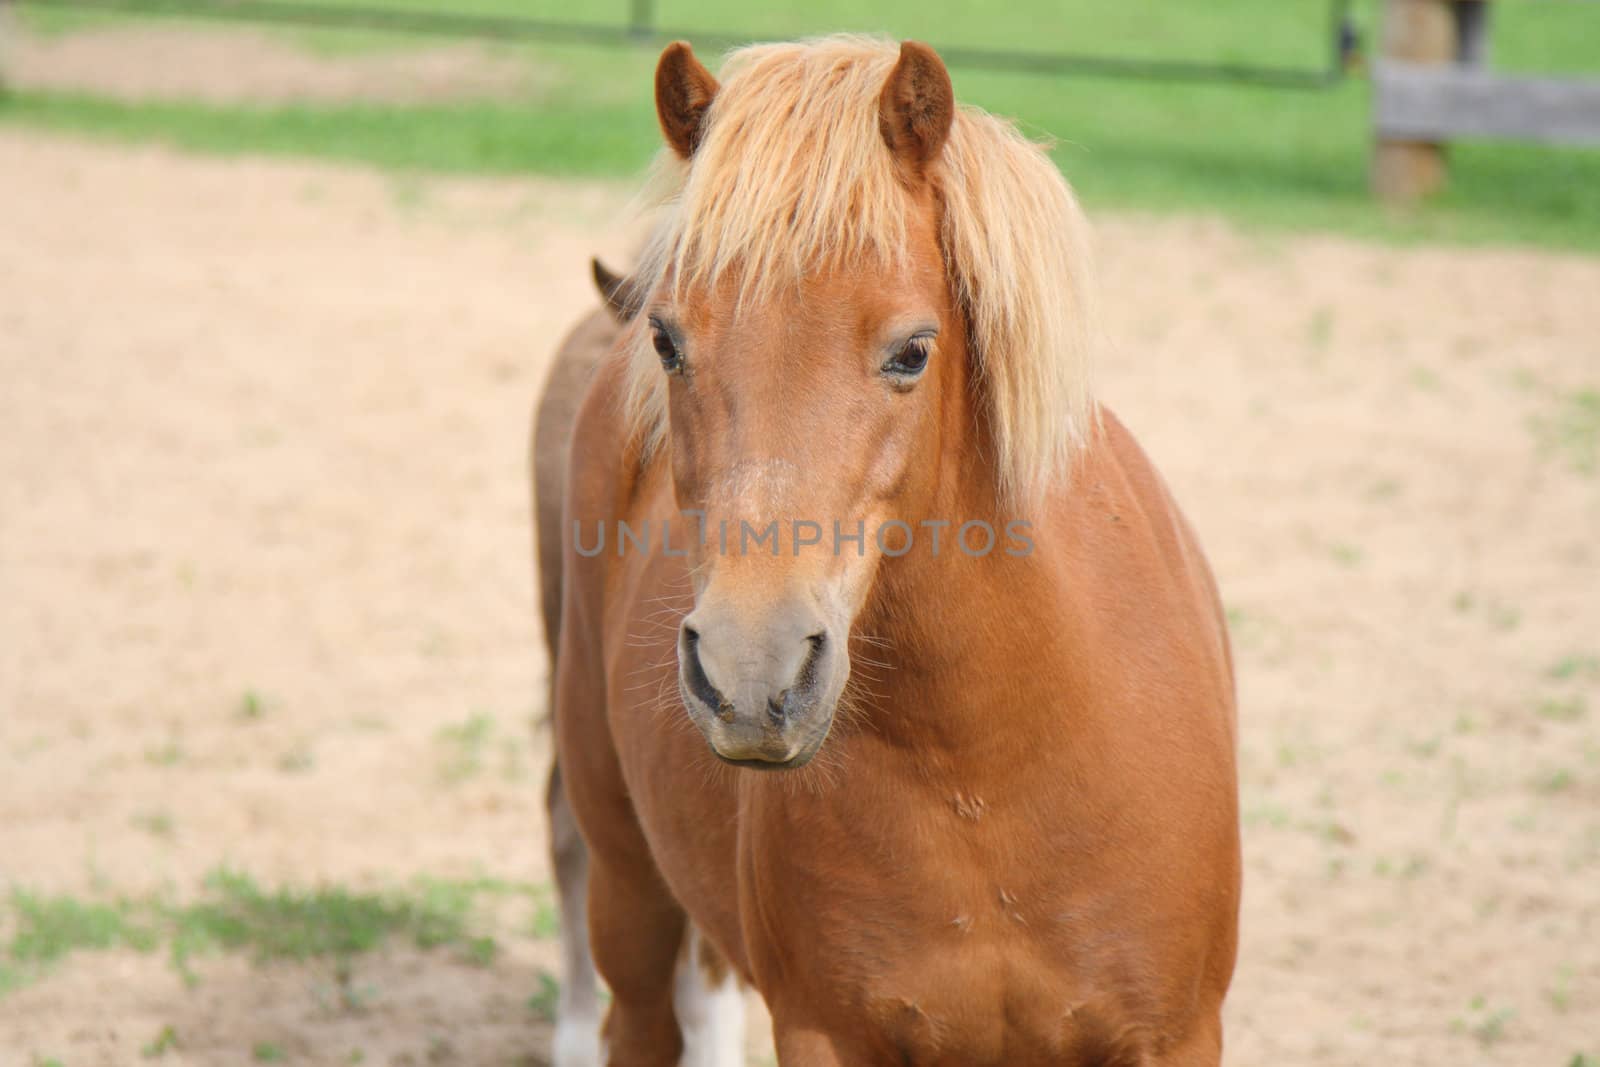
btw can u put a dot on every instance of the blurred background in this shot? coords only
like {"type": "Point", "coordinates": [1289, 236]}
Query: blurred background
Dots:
{"type": "Point", "coordinates": [278, 284]}
{"type": "Point", "coordinates": [519, 86]}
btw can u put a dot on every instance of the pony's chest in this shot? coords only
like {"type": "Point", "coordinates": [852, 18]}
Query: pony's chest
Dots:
{"type": "Point", "coordinates": [995, 1001]}
{"type": "Point", "coordinates": [936, 944]}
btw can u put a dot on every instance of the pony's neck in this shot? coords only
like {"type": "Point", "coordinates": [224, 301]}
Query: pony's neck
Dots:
{"type": "Point", "coordinates": [941, 620]}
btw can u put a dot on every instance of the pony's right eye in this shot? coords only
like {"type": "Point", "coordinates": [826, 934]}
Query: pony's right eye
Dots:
{"type": "Point", "coordinates": [666, 348]}
{"type": "Point", "coordinates": [911, 360]}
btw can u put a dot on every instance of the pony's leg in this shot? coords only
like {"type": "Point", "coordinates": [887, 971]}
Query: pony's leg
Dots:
{"type": "Point", "coordinates": [709, 1005]}
{"type": "Point", "coordinates": [636, 930]}
{"type": "Point", "coordinates": [577, 1040]}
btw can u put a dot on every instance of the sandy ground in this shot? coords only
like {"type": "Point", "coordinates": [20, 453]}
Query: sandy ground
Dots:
{"type": "Point", "coordinates": [241, 66]}
{"type": "Point", "coordinates": [262, 430]}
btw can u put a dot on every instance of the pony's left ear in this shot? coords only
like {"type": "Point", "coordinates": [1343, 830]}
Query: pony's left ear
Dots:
{"type": "Point", "coordinates": [917, 106]}
{"type": "Point", "coordinates": [684, 90]}
{"type": "Point", "coordinates": [623, 295]}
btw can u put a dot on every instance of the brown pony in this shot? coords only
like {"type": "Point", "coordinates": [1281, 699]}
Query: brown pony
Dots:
{"type": "Point", "coordinates": [896, 686]}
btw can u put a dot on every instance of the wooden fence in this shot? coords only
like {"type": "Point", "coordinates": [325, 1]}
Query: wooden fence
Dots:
{"type": "Point", "coordinates": [1432, 85]}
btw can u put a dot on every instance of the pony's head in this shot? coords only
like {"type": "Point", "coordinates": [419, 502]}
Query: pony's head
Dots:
{"type": "Point", "coordinates": [862, 296]}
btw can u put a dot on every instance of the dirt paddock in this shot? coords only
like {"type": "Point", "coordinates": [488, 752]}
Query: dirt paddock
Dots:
{"type": "Point", "coordinates": [264, 564]}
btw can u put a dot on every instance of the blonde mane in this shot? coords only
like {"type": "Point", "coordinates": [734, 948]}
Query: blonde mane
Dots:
{"type": "Point", "coordinates": [792, 176]}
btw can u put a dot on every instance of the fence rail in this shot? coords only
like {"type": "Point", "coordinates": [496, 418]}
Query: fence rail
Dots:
{"type": "Point", "coordinates": [1417, 103]}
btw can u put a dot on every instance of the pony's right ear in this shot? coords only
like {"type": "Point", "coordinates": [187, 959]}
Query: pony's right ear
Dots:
{"type": "Point", "coordinates": [623, 296]}
{"type": "Point", "coordinates": [916, 107]}
{"type": "Point", "coordinates": [684, 89]}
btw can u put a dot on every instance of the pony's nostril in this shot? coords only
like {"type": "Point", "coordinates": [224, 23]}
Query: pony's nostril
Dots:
{"type": "Point", "coordinates": [694, 676]}
{"type": "Point", "coordinates": [818, 639]}
{"type": "Point", "coordinates": [775, 710]}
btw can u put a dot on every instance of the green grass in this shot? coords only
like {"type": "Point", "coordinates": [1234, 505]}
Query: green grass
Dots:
{"type": "Point", "coordinates": [1281, 159]}
{"type": "Point", "coordinates": [233, 913]}
{"type": "Point", "coordinates": [461, 748]}
{"type": "Point", "coordinates": [1575, 665]}
{"type": "Point", "coordinates": [1573, 431]}
{"type": "Point", "coordinates": [543, 1002]}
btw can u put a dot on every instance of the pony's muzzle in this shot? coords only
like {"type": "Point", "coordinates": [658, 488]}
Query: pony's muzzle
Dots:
{"type": "Point", "coordinates": [762, 693]}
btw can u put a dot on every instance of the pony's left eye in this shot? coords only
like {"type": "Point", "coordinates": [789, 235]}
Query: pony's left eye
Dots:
{"type": "Point", "coordinates": [666, 348]}
{"type": "Point", "coordinates": [912, 358]}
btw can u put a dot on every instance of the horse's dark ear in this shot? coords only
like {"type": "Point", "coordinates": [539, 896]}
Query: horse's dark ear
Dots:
{"type": "Point", "coordinates": [917, 106]}
{"type": "Point", "coordinates": [684, 89]}
{"type": "Point", "coordinates": [623, 296]}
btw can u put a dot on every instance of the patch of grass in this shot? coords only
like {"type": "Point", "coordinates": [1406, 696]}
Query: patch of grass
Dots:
{"type": "Point", "coordinates": [167, 755]}
{"type": "Point", "coordinates": [286, 924]}
{"type": "Point", "coordinates": [462, 748]}
{"type": "Point", "coordinates": [483, 950]}
{"type": "Point", "coordinates": [1551, 782]}
{"type": "Point", "coordinates": [156, 824]}
{"type": "Point", "coordinates": [1504, 616]}
{"type": "Point", "coordinates": [546, 918]}
{"type": "Point", "coordinates": [1413, 866]}
{"type": "Point", "coordinates": [1559, 993]}
{"type": "Point", "coordinates": [233, 913]}
{"type": "Point", "coordinates": [1276, 159]}
{"type": "Point", "coordinates": [1425, 747]}
{"type": "Point", "coordinates": [1384, 489]}
{"type": "Point", "coordinates": [1347, 555]}
{"type": "Point", "coordinates": [1576, 665]}
{"type": "Point", "coordinates": [268, 1052]}
{"type": "Point", "coordinates": [1572, 431]}
{"type": "Point", "coordinates": [252, 706]}
{"type": "Point", "coordinates": [297, 760]}
{"type": "Point", "coordinates": [46, 929]}
{"type": "Point", "coordinates": [1425, 378]}
{"type": "Point", "coordinates": [543, 1002]}
{"type": "Point", "coordinates": [164, 1042]}
{"type": "Point", "coordinates": [1319, 331]}
{"type": "Point", "coordinates": [1563, 709]}
{"type": "Point", "coordinates": [1486, 1024]}
{"type": "Point", "coordinates": [471, 138]}
{"type": "Point", "coordinates": [1267, 813]}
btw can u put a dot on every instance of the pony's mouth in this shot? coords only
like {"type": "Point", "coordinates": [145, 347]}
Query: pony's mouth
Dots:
{"type": "Point", "coordinates": [769, 753]}
{"type": "Point", "coordinates": [793, 763]}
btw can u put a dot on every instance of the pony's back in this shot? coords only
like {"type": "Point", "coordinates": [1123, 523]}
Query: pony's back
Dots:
{"type": "Point", "coordinates": [571, 369]}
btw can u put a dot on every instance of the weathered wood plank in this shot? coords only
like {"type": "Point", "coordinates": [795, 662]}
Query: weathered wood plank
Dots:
{"type": "Point", "coordinates": [1433, 103]}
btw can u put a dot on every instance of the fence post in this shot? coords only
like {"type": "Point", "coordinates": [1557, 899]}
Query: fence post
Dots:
{"type": "Point", "coordinates": [1419, 32]}
{"type": "Point", "coordinates": [642, 19]}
